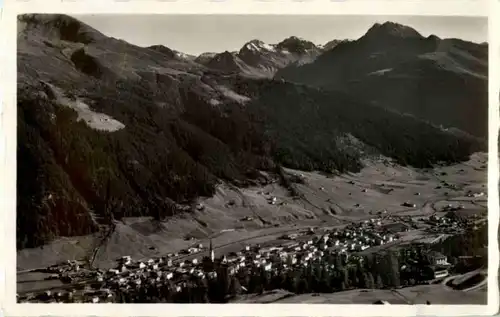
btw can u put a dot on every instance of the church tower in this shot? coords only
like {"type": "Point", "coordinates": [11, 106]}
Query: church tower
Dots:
{"type": "Point", "coordinates": [212, 254]}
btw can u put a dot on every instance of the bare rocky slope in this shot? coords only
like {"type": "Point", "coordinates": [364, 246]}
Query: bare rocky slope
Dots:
{"type": "Point", "coordinates": [107, 129]}
{"type": "Point", "coordinates": [443, 81]}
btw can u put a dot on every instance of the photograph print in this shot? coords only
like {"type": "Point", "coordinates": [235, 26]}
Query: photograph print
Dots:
{"type": "Point", "coordinates": [252, 159]}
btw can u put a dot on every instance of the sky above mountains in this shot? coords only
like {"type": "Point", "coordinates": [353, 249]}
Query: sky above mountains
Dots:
{"type": "Point", "coordinates": [195, 34]}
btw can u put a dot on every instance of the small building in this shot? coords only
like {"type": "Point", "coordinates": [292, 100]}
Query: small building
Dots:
{"type": "Point", "coordinates": [409, 204]}
{"type": "Point", "coordinates": [200, 207]}
{"type": "Point", "coordinates": [437, 258]}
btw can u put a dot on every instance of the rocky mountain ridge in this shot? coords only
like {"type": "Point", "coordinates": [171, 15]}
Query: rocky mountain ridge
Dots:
{"type": "Point", "coordinates": [258, 59]}
{"type": "Point", "coordinates": [442, 81]}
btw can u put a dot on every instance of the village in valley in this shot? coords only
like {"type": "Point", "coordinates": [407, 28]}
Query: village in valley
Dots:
{"type": "Point", "coordinates": [378, 252]}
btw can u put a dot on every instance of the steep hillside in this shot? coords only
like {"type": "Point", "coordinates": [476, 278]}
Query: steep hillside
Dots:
{"type": "Point", "coordinates": [107, 129]}
{"type": "Point", "coordinates": [443, 81]}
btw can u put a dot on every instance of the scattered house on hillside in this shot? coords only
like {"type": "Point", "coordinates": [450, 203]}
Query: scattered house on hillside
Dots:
{"type": "Point", "coordinates": [434, 218]}
{"type": "Point", "coordinates": [409, 204]}
{"type": "Point", "coordinates": [475, 195]}
{"type": "Point", "coordinates": [200, 207]}
{"type": "Point", "coordinates": [125, 260]}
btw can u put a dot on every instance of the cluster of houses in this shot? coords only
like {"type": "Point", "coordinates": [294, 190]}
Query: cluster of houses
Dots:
{"type": "Point", "coordinates": [299, 250]}
{"type": "Point", "coordinates": [308, 247]}
{"type": "Point", "coordinates": [101, 286]}
{"type": "Point", "coordinates": [291, 252]}
{"type": "Point", "coordinates": [452, 222]}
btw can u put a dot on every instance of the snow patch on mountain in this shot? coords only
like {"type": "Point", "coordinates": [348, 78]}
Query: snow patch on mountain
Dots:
{"type": "Point", "coordinates": [214, 102]}
{"type": "Point", "coordinates": [380, 72]}
{"type": "Point", "coordinates": [268, 47]}
{"type": "Point", "coordinates": [259, 46]}
{"type": "Point", "coordinates": [182, 55]}
{"type": "Point", "coordinates": [228, 93]}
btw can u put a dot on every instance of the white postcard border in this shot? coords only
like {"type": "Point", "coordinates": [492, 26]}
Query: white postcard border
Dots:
{"type": "Point", "coordinates": [354, 7]}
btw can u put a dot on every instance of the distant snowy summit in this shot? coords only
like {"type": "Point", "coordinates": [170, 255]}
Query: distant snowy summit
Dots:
{"type": "Point", "coordinates": [259, 59]}
{"type": "Point", "coordinates": [258, 46]}
{"type": "Point", "coordinates": [256, 58]}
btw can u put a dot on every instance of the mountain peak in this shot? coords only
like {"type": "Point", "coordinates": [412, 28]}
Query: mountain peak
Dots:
{"type": "Point", "coordinates": [163, 49]}
{"type": "Point", "coordinates": [256, 42]}
{"type": "Point", "coordinates": [61, 26]}
{"type": "Point", "coordinates": [256, 46]}
{"type": "Point", "coordinates": [295, 44]}
{"type": "Point", "coordinates": [225, 61]}
{"type": "Point", "coordinates": [392, 29]}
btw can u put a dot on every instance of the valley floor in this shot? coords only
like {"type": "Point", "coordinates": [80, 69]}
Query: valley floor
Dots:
{"type": "Point", "coordinates": [236, 217]}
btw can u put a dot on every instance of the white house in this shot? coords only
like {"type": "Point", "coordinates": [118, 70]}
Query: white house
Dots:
{"type": "Point", "coordinates": [438, 258]}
